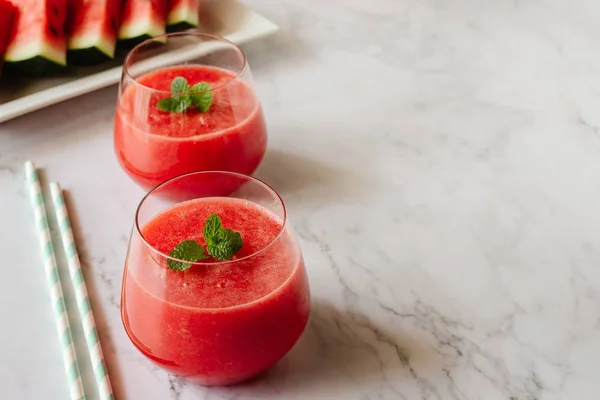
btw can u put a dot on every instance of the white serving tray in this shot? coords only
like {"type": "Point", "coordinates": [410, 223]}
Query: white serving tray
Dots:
{"type": "Point", "coordinates": [228, 18]}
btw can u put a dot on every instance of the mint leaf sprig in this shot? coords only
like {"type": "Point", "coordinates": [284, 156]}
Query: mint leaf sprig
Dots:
{"type": "Point", "coordinates": [188, 250]}
{"type": "Point", "coordinates": [221, 244]}
{"type": "Point", "coordinates": [200, 95]}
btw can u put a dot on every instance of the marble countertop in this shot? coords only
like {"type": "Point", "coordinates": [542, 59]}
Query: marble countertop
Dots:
{"type": "Point", "coordinates": [441, 163]}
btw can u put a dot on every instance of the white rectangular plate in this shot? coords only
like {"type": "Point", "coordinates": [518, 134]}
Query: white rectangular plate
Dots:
{"type": "Point", "coordinates": [227, 18]}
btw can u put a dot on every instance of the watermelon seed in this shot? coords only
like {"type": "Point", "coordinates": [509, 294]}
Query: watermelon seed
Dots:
{"type": "Point", "coordinates": [53, 31]}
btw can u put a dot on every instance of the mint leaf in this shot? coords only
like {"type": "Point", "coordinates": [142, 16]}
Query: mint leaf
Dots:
{"type": "Point", "coordinates": [182, 104]}
{"type": "Point", "coordinates": [179, 102]}
{"type": "Point", "coordinates": [202, 96]}
{"type": "Point", "coordinates": [188, 250]}
{"type": "Point", "coordinates": [228, 244]}
{"type": "Point", "coordinates": [167, 104]}
{"type": "Point", "coordinates": [233, 238]}
{"type": "Point", "coordinates": [222, 243]}
{"type": "Point", "coordinates": [180, 85]}
{"type": "Point", "coordinates": [199, 95]}
{"type": "Point", "coordinates": [171, 104]}
{"type": "Point", "coordinates": [221, 251]}
{"type": "Point", "coordinates": [212, 229]}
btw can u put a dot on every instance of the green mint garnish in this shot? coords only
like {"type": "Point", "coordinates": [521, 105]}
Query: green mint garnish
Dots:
{"type": "Point", "coordinates": [200, 95]}
{"type": "Point", "coordinates": [212, 228]}
{"type": "Point", "coordinates": [178, 86]}
{"type": "Point", "coordinates": [221, 243]}
{"type": "Point", "coordinates": [225, 245]}
{"type": "Point", "coordinates": [171, 104]}
{"type": "Point", "coordinates": [188, 250]}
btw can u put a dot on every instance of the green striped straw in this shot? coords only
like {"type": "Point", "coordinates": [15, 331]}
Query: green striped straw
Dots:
{"type": "Point", "coordinates": [83, 301]}
{"type": "Point", "coordinates": [56, 293]}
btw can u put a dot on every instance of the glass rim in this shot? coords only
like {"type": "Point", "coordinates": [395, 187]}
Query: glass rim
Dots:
{"type": "Point", "coordinates": [191, 33]}
{"type": "Point", "coordinates": [266, 186]}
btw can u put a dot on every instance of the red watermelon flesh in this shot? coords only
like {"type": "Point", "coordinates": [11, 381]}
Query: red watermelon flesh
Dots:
{"type": "Point", "coordinates": [93, 25]}
{"type": "Point", "coordinates": [39, 34]}
{"type": "Point", "coordinates": [142, 19]}
{"type": "Point", "coordinates": [183, 14]}
{"type": "Point", "coordinates": [8, 14]}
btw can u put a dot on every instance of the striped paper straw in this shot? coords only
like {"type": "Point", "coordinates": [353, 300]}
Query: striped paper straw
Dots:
{"type": "Point", "coordinates": [56, 293]}
{"type": "Point", "coordinates": [83, 302]}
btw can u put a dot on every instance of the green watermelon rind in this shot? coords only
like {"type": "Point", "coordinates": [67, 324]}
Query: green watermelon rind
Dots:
{"type": "Point", "coordinates": [35, 66]}
{"type": "Point", "coordinates": [37, 58]}
{"type": "Point", "coordinates": [87, 57]}
{"type": "Point", "coordinates": [90, 49]}
{"type": "Point", "coordinates": [182, 18]}
{"type": "Point", "coordinates": [180, 27]}
{"type": "Point", "coordinates": [132, 34]}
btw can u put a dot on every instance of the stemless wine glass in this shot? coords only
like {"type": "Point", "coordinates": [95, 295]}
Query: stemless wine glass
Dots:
{"type": "Point", "coordinates": [154, 143]}
{"type": "Point", "coordinates": [217, 322]}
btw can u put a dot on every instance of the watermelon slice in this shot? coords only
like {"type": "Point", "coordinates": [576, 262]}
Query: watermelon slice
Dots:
{"type": "Point", "coordinates": [39, 44]}
{"type": "Point", "coordinates": [92, 30]}
{"type": "Point", "coordinates": [8, 14]}
{"type": "Point", "coordinates": [141, 20]}
{"type": "Point", "coordinates": [183, 14]}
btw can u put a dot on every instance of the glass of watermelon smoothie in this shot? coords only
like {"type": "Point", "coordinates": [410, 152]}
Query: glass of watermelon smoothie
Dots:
{"type": "Point", "coordinates": [193, 115]}
{"type": "Point", "coordinates": [214, 289]}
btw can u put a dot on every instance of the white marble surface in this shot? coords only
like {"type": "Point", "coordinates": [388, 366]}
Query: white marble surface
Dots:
{"type": "Point", "coordinates": [441, 162]}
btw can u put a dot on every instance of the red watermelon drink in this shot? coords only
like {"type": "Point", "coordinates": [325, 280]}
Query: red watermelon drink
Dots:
{"type": "Point", "coordinates": [214, 288]}
{"type": "Point", "coordinates": [191, 117]}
